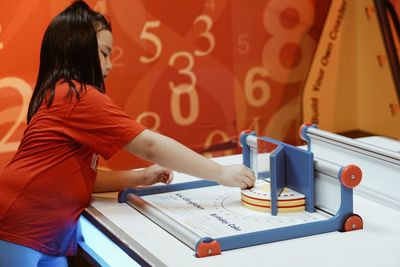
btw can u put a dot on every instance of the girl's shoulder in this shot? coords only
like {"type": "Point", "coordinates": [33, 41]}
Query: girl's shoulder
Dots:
{"type": "Point", "coordinates": [80, 89]}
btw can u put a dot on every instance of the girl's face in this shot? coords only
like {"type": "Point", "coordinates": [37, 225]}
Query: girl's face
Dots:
{"type": "Point", "coordinates": [105, 42]}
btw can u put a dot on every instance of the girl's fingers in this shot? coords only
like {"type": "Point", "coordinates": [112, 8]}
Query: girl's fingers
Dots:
{"type": "Point", "coordinates": [243, 185]}
{"type": "Point", "coordinates": [166, 177]}
{"type": "Point", "coordinates": [249, 178]}
{"type": "Point", "coordinates": [170, 177]}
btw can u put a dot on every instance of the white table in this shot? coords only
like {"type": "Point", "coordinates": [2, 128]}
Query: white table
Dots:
{"type": "Point", "coordinates": [375, 245]}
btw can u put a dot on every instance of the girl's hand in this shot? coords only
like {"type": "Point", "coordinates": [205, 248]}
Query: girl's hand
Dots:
{"type": "Point", "coordinates": [156, 174]}
{"type": "Point", "coordinates": [236, 175]}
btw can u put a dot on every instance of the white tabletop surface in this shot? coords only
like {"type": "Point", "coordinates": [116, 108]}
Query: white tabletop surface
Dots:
{"type": "Point", "coordinates": [375, 245]}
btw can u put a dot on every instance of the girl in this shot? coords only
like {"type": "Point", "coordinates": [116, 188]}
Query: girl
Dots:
{"type": "Point", "coordinates": [71, 121]}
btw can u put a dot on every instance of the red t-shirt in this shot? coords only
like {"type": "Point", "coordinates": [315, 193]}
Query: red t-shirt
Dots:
{"type": "Point", "coordinates": [49, 182]}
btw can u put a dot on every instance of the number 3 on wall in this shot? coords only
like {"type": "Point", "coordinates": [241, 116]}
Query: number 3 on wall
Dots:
{"type": "Point", "coordinates": [186, 88]}
{"type": "Point", "coordinates": [206, 34]}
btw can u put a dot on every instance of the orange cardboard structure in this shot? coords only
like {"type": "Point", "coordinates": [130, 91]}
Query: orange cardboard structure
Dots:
{"type": "Point", "coordinates": [354, 82]}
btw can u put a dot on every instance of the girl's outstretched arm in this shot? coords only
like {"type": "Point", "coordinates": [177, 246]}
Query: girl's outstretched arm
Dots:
{"type": "Point", "coordinates": [171, 154]}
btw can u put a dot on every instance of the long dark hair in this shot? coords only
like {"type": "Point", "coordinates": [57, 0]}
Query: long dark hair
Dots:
{"type": "Point", "coordinates": [69, 52]}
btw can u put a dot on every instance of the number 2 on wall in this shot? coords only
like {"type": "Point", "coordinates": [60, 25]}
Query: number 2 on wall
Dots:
{"type": "Point", "coordinates": [10, 115]}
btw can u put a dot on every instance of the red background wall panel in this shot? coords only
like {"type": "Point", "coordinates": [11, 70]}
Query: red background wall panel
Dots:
{"type": "Point", "coordinates": [197, 71]}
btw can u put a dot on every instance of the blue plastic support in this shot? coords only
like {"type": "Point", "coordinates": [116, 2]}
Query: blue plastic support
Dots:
{"type": "Point", "coordinates": [289, 166]}
{"type": "Point", "coordinates": [334, 223]}
{"type": "Point", "coordinates": [299, 167]}
{"type": "Point", "coordinates": [159, 189]}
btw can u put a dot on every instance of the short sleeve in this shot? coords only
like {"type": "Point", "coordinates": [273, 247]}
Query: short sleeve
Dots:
{"type": "Point", "coordinates": [95, 121]}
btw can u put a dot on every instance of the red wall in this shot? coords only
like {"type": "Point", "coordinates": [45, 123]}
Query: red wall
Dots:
{"type": "Point", "coordinates": [197, 71]}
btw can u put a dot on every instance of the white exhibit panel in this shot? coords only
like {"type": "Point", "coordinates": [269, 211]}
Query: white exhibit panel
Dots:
{"type": "Point", "coordinates": [380, 166]}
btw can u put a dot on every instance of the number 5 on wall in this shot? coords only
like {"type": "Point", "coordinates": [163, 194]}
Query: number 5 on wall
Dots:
{"type": "Point", "coordinates": [151, 37]}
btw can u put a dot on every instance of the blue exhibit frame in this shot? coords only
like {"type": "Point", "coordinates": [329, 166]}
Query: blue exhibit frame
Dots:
{"type": "Point", "coordinates": [289, 166]}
